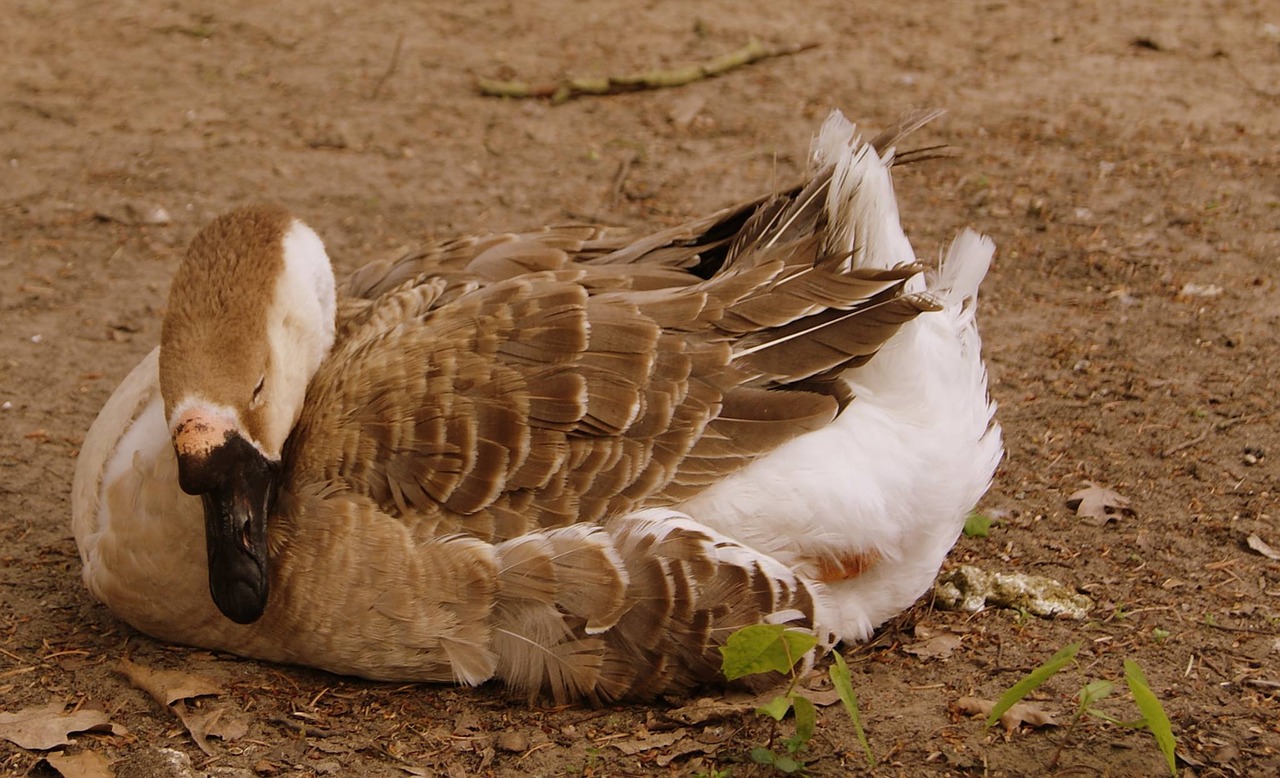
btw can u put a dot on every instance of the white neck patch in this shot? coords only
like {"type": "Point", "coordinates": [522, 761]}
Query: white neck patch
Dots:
{"type": "Point", "coordinates": [300, 332]}
{"type": "Point", "coordinates": [307, 286]}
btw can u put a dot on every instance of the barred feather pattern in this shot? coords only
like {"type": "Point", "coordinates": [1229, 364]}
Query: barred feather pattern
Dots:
{"type": "Point", "coordinates": [641, 604]}
{"type": "Point", "coordinates": [575, 461]}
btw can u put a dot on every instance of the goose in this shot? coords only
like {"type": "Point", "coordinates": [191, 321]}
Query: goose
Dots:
{"type": "Point", "coordinates": [565, 460]}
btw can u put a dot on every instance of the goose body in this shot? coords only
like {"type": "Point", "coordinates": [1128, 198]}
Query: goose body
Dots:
{"type": "Point", "coordinates": [558, 459]}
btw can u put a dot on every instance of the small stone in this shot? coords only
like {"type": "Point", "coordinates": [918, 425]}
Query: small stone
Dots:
{"type": "Point", "coordinates": [1193, 289]}
{"type": "Point", "coordinates": [156, 214]}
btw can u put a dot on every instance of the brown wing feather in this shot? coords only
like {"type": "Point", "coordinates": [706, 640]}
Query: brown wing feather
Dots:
{"type": "Point", "coordinates": [500, 384]}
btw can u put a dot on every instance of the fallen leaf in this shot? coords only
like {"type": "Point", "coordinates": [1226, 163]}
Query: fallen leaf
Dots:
{"type": "Point", "coordinates": [83, 764]}
{"type": "Point", "coordinates": [1020, 713]}
{"type": "Point", "coordinates": [202, 725]}
{"type": "Point", "coordinates": [633, 746]}
{"type": "Point", "coordinates": [1262, 547]}
{"type": "Point", "coordinates": [937, 647]}
{"type": "Point", "coordinates": [168, 686]}
{"type": "Point", "coordinates": [684, 748]}
{"type": "Point", "coordinates": [1100, 504]}
{"type": "Point", "coordinates": [42, 728]}
{"type": "Point", "coordinates": [707, 709]}
{"type": "Point", "coordinates": [824, 698]}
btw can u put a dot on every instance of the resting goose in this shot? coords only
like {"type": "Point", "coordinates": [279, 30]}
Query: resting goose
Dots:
{"type": "Point", "coordinates": [559, 459]}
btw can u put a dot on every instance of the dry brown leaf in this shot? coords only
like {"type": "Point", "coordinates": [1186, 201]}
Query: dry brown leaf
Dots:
{"type": "Point", "coordinates": [1100, 504]}
{"type": "Point", "coordinates": [83, 764]}
{"type": "Point", "coordinates": [1262, 547]}
{"type": "Point", "coordinates": [684, 748]}
{"type": "Point", "coordinates": [823, 698]}
{"type": "Point", "coordinates": [168, 686]}
{"type": "Point", "coordinates": [202, 725]}
{"type": "Point", "coordinates": [1021, 713]}
{"type": "Point", "coordinates": [708, 709]}
{"type": "Point", "coordinates": [42, 728]}
{"type": "Point", "coordinates": [632, 746]}
{"type": "Point", "coordinates": [937, 647]}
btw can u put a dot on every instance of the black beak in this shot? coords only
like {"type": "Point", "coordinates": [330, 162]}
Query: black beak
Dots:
{"type": "Point", "coordinates": [238, 486]}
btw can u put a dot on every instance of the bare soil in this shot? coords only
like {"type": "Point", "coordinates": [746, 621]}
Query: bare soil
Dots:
{"type": "Point", "coordinates": [1125, 157]}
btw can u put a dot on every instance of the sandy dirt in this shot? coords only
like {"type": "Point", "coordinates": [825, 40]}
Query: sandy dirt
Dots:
{"type": "Point", "coordinates": [1125, 158]}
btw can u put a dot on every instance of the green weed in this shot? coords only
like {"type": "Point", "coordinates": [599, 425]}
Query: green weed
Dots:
{"type": "Point", "coordinates": [1154, 719]}
{"type": "Point", "coordinates": [764, 648]}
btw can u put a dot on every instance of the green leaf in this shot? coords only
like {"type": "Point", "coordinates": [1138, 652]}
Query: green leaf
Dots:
{"type": "Point", "coordinates": [840, 678]}
{"type": "Point", "coordinates": [977, 525]}
{"type": "Point", "coordinates": [787, 764]}
{"type": "Point", "coordinates": [762, 755]}
{"type": "Point", "coordinates": [1094, 692]}
{"type": "Point", "coordinates": [799, 642]}
{"type": "Point", "coordinates": [806, 717]}
{"type": "Point", "coordinates": [1150, 707]}
{"type": "Point", "coordinates": [776, 708]}
{"type": "Point", "coordinates": [761, 648]}
{"type": "Point", "coordinates": [1029, 682]}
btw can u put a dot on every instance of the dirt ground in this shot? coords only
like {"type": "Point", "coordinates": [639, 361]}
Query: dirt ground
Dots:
{"type": "Point", "coordinates": [1125, 158]}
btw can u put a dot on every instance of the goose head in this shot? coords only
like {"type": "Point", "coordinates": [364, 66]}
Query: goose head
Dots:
{"type": "Point", "coordinates": [250, 318]}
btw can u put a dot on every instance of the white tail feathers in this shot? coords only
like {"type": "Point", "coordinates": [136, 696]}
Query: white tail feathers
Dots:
{"type": "Point", "coordinates": [963, 267]}
{"type": "Point", "coordinates": [861, 207]}
{"type": "Point", "coordinates": [892, 478]}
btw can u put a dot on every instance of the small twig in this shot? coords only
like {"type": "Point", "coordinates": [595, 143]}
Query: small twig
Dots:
{"type": "Point", "coordinates": [620, 178]}
{"type": "Point", "coordinates": [635, 82]}
{"type": "Point", "coordinates": [298, 726]}
{"type": "Point", "coordinates": [391, 68]}
{"type": "Point", "coordinates": [1168, 452]}
{"type": "Point", "coordinates": [1227, 424]}
{"type": "Point", "coordinates": [535, 749]}
{"type": "Point", "coordinates": [1205, 661]}
{"type": "Point", "coordinates": [1066, 736]}
{"type": "Point", "coordinates": [1262, 683]}
{"type": "Point", "coordinates": [1245, 630]}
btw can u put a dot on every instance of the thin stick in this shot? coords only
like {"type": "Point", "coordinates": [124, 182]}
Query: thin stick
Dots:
{"type": "Point", "coordinates": [391, 68]}
{"type": "Point", "coordinates": [304, 729]}
{"type": "Point", "coordinates": [620, 178]}
{"type": "Point", "coordinates": [1245, 630]}
{"type": "Point", "coordinates": [653, 79]}
{"type": "Point", "coordinates": [1188, 443]}
{"type": "Point", "coordinates": [1262, 683]}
